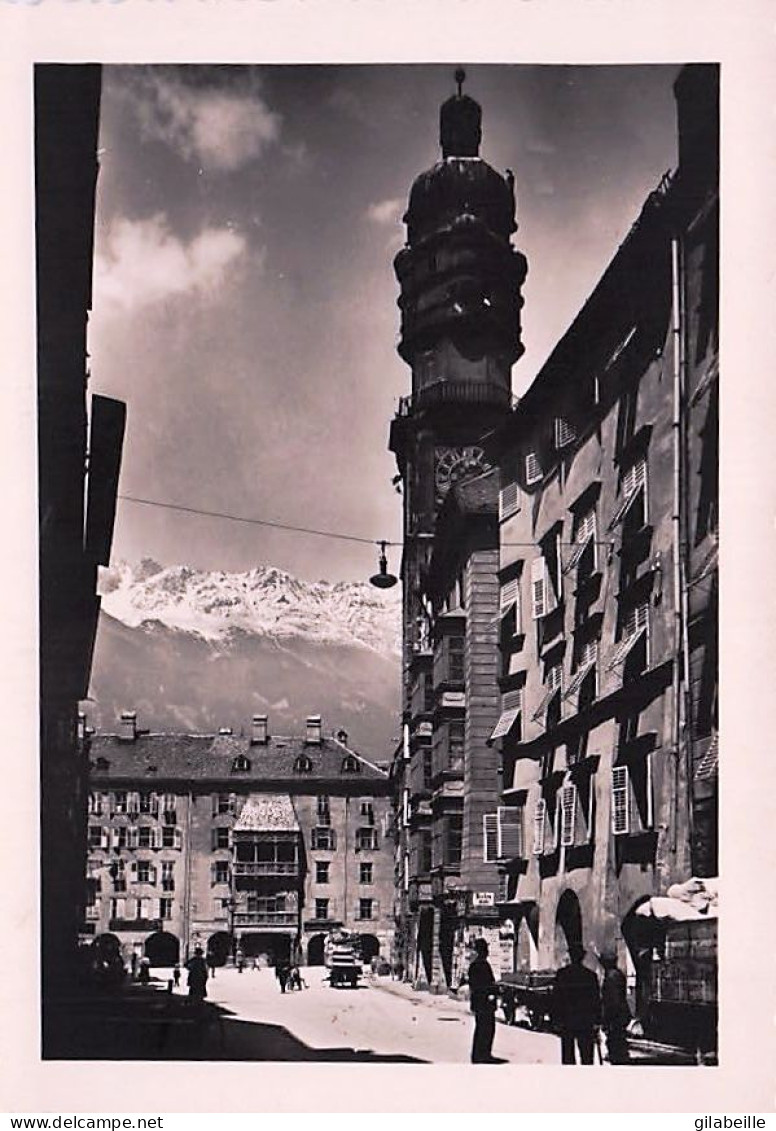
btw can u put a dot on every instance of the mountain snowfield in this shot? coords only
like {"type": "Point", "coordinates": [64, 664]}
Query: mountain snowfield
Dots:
{"type": "Point", "coordinates": [193, 651]}
{"type": "Point", "coordinates": [264, 601]}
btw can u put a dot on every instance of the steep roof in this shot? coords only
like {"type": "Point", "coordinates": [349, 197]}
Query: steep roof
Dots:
{"type": "Point", "coordinates": [186, 757]}
{"type": "Point", "coordinates": [266, 813]}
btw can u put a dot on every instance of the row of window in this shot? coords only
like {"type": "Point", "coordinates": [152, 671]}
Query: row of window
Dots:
{"type": "Point", "coordinates": [134, 836]}
{"type": "Point", "coordinates": [141, 872]}
{"type": "Point", "coordinates": [221, 872]}
{"type": "Point", "coordinates": [505, 832]}
{"type": "Point", "coordinates": [152, 804]}
{"type": "Point", "coordinates": [135, 908]}
{"type": "Point", "coordinates": [129, 803]}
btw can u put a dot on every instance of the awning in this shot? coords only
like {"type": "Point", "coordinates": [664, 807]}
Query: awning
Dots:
{"type": "Point", "coordinates": [546, 699]}
{"type": "Point", "coordinates": [578, 679]}
{"type": "Point", "coordinates": [624, 649]}
{"type": "Point", "coordinates": [505, 723]}
{"type": "Point", "coordinates": [708, 765]}
{"type": "Point", "coordinates": [576, 554]}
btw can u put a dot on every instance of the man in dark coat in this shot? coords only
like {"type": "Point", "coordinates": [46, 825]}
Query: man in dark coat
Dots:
{"type": "Point", "coordinates": [483, 1000]}
{"type": "Point", "coordinates": [576, 1008]}
{"type": "Point", "coordinates": [615, 1012]}
{"type": "Point", "coordinates": [197, 976]}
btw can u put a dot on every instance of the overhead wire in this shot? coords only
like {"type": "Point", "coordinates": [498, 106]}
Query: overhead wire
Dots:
{"type": "Point", "coordinates": [274, 525]}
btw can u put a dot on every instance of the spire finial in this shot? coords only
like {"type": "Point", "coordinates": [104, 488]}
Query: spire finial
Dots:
{"type": "Point", "coordinates": [460, 78]}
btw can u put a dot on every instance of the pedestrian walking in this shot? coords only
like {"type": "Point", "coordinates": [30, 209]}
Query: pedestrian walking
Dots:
{"type": "Point", "coordinates": [240, 962]}
{"type": "Point", "coordinates": [615, 1011]}
{"type": "Point", "coordinates": [576, 1008]}
{"type": "Point", "coordinates": [211, 965]}
{"type": "Point", "coordinates": [176, 975]}
{"type": "Point", "coordinates": [197, 976]}
{"type": "Point", "coordinates": [483, 999]}
{"type": "Point", "coordinates": [145, 970]}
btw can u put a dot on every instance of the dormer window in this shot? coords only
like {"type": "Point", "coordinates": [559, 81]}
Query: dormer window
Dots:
{"type": "Point", "coordinates": [303, 765]}
{"type": "Point", "coordinates": [350, 765]}
{"type": "Point", "coordinates": [241, 764]}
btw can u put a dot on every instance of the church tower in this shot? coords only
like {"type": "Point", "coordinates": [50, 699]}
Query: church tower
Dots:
{"type": "Point", "coordinates": [460, 301]}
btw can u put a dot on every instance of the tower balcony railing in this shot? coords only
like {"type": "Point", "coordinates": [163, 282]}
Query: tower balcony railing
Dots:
{"type": "Point", "coordinates": [456, 392]}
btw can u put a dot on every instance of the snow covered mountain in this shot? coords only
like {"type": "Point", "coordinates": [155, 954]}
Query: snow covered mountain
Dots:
{"type": "Point", "coordinates": [192, 650]}
{"type": "Point", "coordinates": [265, 601]}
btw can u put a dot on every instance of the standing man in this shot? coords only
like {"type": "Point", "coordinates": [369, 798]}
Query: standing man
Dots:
{"type": "Point", "coordinates": [576, 1008]}
{"type": "Point", "coordinates": [615, 1012]}
{"type": "Point", "coordinates": [483, 999]}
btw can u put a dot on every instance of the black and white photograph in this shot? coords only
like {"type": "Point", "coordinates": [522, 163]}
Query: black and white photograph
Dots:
{"type": "Point", "coordinates": [371, 444]}
{"type": "Point", "coordinates": [378, 506]}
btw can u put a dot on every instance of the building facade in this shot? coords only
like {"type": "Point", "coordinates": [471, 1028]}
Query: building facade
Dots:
{"type": "Point", "coordinates": [608, 585]}
{"type": "Point", "coordinates": [76, 504]}
{"type": "Point", "coordinates": [253, 844]}
{"type": "Point", "coordinates": [460, 280]}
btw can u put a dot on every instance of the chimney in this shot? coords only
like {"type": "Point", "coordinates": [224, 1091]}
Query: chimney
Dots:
{"type": "Point", "coordinates": [313, 737]}
{"type": "Point", "coordinates": [81, 726]}
{"type": "Point", "coordinates": [259, 730]}
{"type": "Point", "coordinates": [128, 726]}
{"type": "Point", "coordinates": [224, 730]}
{"type": "Point", "coordinates": [342, 736]}
{"type": "Point", "coordinates": [697, 99]}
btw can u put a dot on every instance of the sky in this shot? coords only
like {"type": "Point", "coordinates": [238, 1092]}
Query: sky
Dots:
{"type": "Point", "coordinates": [244, 301]}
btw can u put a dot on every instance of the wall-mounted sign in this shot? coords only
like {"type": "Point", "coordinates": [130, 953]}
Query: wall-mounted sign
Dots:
{"type": "Point", "coordinates": [483, 899]}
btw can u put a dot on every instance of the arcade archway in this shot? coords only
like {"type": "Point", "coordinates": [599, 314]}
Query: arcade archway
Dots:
{"type": "Point", "coordinates": [219, 948]}
{"type": "Point", "coordinates": [568, 926]}
{"type": "Point", "coordinates": [315, 950]}
{"type": "Point", "coordinates": [370, 947]}
{"type": "Point", "coordinates": [162, 949]}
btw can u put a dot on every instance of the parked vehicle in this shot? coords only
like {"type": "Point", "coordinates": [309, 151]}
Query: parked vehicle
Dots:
{"type": "Point", "coordinates": [342, 961]}
{"type": "Point", "coordinates": [529, 990]}
{"type": "Point", "coordinates": [681, 1007]}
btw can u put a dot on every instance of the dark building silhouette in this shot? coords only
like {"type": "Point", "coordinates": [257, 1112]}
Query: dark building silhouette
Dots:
{"type": "Point", "coordinates": [76, 507]}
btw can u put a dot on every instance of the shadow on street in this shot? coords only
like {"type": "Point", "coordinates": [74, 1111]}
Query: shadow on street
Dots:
{"type": "Point", "coordinates": [145, 1023]}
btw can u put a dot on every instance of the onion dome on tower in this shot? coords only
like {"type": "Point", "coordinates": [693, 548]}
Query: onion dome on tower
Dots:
{"type": "Point", "coordinates": [460, 277]}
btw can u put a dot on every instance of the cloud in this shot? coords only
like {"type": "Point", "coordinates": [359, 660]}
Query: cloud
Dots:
{"type": "Point", "coordinates": [386, 211]}
{"type": "Point", "coordinates": [221, 128]}
{"type": "Point", "coordinates": [142, 263]}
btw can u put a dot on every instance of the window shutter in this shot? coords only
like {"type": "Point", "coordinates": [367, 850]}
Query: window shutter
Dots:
{"type": "Point", "coordinates": [538, 588]}
{"type": "Point", "coordinates": [133, 802]}
{"type": "Point", "coordinates": [510, 832]}
{"type": "Point", "coordinates": [232, 803]}
{"type": "Point", "coordinates": [508, 501]}
{"type": "Point", "coordinates": [490, 837]}
{"type": "Point", "coordinates": [510, 594]}
{"type": "Point", "coordinates": [533, 470]}
{"type": "Point", "coordinates": [540, 820]}
{"type": "Point", "coordinates": [114, 838]}
{"type": "Point", "coordinates": [133, 871]}
{"type": "Point", "coordinates": [565, 433]}
{"type": "Point", "coordinates": [568, 814]}
{"type": "Point", "coordinates": [152, 873]}
{"type": "Point", "coordinates": [620, 800]}
{"type": "Point", "coordinates": [214, 806]}
{"type": "Point", "coordinates": [133, 837]}
{"type": "Point", "coordinates": [177, 838]}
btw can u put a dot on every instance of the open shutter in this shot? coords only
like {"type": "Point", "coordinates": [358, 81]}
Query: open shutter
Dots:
{"type": "Point", "coordinates": [565, 433]}
{"type": "Point", "coordinates": [133, 837]}
{"type": "Point", "coordinates": [214, 805]}
{"type": "Point", "coordinates": [510, 832]}
{"type": "Point", "coordinates": [177, 838]}
{"type": "Point", "coordinates": [232, 803]}
{"type": "Point", "coordinates": [133, 871]}
{"type": "Point", "coordinates": [539, 824]}
{"type": "Point", "coordinates": [490, 837]}
{"type": "Point", "coordinates": [539, 602]}
{"type": "Point", "coordinates": [508, 501]}
{"type": "Point", "coordinates": [620, 800]}
{"type": "Point", "coordinates": [568, 808]}
{"type": "Point", "coordinates": [533, 469]}
{"type": "Point", "coordinates": [152, 873]}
